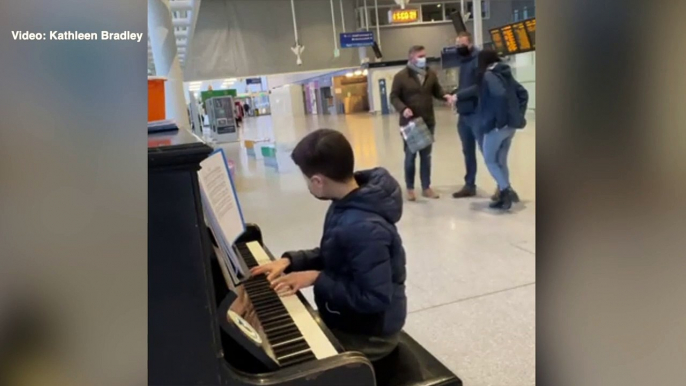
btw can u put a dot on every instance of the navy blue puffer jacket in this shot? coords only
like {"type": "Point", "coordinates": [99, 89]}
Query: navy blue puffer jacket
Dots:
{"type": "Point", "coordinates": [361, 287]}
{"type": "Point", "coordinates": [502, 100]}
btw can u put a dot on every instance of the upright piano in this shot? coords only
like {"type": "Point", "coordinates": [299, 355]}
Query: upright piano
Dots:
{"type": "Point", "coordinates": [202, 332]}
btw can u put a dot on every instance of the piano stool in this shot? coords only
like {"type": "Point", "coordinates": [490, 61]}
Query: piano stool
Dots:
{"type": "Point", "coordinates": [412, 365]}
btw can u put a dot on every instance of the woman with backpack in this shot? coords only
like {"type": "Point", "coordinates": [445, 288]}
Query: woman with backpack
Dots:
{"type": "Point", "coordinates": [502, 106]}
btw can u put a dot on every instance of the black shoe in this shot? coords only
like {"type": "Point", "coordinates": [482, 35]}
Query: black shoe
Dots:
{"type": "Point", "coordinates": [514, 196]}
{"type": "Point", "coordinates": [466, 191]}
{"type": "Point", "coordinates": [496, 195]}
{"type": "Point", "coordinates": [504, 201]}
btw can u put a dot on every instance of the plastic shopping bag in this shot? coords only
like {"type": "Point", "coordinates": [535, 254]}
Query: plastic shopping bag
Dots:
{"type": "Point", "coordinates": [417, 135]}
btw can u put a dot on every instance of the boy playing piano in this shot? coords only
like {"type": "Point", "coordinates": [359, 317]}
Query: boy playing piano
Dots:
{"type": "Point", "coordinates": [358, 271]}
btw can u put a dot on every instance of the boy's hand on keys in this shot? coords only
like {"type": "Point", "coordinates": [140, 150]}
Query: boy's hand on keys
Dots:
{"type": "Point", "coordinates": [273, 269]}
{"type": "Point", "coordinates": [290, 284]}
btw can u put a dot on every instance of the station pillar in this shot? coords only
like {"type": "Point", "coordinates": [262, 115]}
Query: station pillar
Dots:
{"type": "Point", "coordinates": [164, 55]}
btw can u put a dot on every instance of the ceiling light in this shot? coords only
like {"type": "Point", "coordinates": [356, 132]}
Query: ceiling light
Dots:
{"type": "Point", "coordinates": [365, 72]}
{"type": "Point", "coordinates": [358, 73]}
{"type": "Point", "coordinates": [349, 75]}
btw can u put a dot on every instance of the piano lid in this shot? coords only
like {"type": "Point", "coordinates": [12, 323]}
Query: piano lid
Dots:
{"type": "Point", "coordinates": [180, 147]}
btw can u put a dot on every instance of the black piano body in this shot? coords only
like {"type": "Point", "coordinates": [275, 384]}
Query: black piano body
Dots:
{"type": "Point", "coordinates": [186, 344]}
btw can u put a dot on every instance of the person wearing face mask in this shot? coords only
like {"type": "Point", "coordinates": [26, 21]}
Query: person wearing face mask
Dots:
{"type": "Point", "coordinates": [412, 93]}
{"type": "Point", "coordinates": [467, 101]}
{"type": "Point", "coordinates": [358, 271]}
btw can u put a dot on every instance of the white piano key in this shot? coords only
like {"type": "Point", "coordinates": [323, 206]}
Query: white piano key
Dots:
{"type": "Point", "coordinates": [314, 336]}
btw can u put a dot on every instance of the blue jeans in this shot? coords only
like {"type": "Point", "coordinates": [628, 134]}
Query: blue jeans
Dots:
{"type": "Point", "coordinates": [424, 166]}
{"type": "Point", "coordinates": [496, 146]}
{"type": "Point", "coordinates": [467, 128]}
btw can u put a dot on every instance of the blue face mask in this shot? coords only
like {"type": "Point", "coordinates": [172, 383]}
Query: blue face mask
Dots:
{"type": "Point", "coordinates": [421, 62]}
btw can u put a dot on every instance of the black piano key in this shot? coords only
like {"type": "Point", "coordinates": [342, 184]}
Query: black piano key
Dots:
{"type": "Point", "coordinates": [292, 337]}
{"type": "Point", "coordinates": [252, 284]}
{"type": "Point", "coordinates": [257, 297]}
{"type": "Point", "coordinates": [279, 335]}
{"type": "Point", "coordinates": [277, 317]}
{"type": "Point", "coordinates": [258, 294]}
{"type": "Point", "coordinates": [280, 326]}
{"type": "Point", "coordinates": [270, 313]}
{"type": "Point", "coordinates": [284, 335]}
{"type": "Point", "coordinates": [269, 310]}
{"type": "Point", "coordinates": [293, 357]}
{"type": "Point", "coordinates": [269, 305]}
{"type": "Point", "coordinates": [284, 342]}
{"type": "Point", "coordinates": [258, 290]}
{"type": "Point", "coordinates": [282, 351]}
{"type": "Point", "coordinates": [276, 332]}
{"type": "Point", "coordinates": [269, 322]}
{"type": "Point", "coordinates": [297, 360]}
{"type": "Point", "coordinates": [285, 338]}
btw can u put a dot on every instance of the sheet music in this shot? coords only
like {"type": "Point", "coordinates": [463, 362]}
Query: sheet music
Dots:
{"type": "Point", "coordinates": [222, 211]}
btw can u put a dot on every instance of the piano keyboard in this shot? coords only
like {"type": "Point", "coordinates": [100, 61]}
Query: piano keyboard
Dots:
{"type": "Point", "coordinates": [293, 334]}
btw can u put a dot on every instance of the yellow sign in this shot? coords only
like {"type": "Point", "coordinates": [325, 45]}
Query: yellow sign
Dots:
{"type": "Point", "coordinates": [404, 15]}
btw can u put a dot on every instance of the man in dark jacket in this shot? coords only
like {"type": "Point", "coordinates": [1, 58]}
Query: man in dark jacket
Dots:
{"type": "Point", "coordinates": [358, 271]}
{"type": "Point", "coordinates": [467, 101]}
{"type": "Point", "coordinates": [412, 93]}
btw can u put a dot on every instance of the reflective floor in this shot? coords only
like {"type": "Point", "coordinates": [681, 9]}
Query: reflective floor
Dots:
{"type": "Point", "coordinates": [471, 271]}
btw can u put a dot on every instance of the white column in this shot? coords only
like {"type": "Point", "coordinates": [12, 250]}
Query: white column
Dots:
{"type": "Point", "coordinates": [478, 24]}
{"type": "Point", "coordinates": [164, 55]}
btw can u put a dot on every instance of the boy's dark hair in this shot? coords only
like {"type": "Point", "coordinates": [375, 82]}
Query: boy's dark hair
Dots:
{"type": "Point", "coordinates": [415, 49]}
{"type": "Point", "coordinates": [325, 152]}
{"type": "Point", "coordinates": [485, 59]}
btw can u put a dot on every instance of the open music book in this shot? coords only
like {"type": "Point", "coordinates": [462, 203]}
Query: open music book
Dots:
{"type": "Point", "coordinates": [223, 214]}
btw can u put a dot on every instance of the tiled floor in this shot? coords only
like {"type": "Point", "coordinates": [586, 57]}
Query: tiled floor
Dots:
{"type": "Point", "coordinates": [471, 272]}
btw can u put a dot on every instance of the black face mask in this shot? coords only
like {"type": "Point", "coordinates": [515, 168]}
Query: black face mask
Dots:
{"type": "Point", "coordinates": [463, 50]}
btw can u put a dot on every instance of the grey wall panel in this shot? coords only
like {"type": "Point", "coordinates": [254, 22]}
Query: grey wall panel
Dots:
{"type": "Point", "coordinates": [235, 38]}
{"type": "Point", "coordinates": [397, 40]}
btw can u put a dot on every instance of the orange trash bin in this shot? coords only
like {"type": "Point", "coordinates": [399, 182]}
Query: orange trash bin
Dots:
{"type": "Point", "coordinates": [156, 110]}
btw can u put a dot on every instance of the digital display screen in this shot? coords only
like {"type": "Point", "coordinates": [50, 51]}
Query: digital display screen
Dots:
{"type": "Point", "coordinates": [404, 15]}
{"type": "Point", "coordinates": [497, 39]}
{"type": "Point", "coordinates": [511, 45]}
{"type": "Point", "coordinates": [522, 37]}
{"type": "Point", "coordinates": [531, 29]}
{"type": "Point", "coordinates": [515, 38]}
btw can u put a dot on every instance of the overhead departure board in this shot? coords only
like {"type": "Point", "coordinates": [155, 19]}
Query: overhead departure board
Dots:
{"type": "Point", "coordinates": [511, 45]}
{"type": "Point", "coordinates": [531, 30]}
{"type": "Point", "coordinates": [515, 38]}
{"type": "Point", "coordinates": [497, 39]}
{"type": "Point", "coordinates": [522, 37]}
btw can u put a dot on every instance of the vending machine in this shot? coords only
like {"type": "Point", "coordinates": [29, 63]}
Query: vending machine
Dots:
{"type": "Point", "coordinates": [220, 111]}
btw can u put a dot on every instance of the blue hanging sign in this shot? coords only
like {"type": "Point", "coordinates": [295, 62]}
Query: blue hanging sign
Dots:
{"type": "Point", "coordinates": [357, 39]}
{"type": "Point", "coordinates": [449, 57]}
